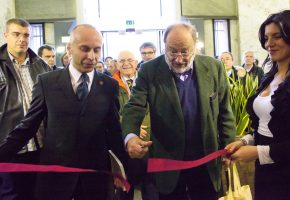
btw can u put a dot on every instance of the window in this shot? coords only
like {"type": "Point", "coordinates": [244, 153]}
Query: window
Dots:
{"type": "Point", "coordinates": [37, 36]}
{"type": "Point", "coordinates": [115, 41]}
{"type": "Point", "coordinates": [221, 36]}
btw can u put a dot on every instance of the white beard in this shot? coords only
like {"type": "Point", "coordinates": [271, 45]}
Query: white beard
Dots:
{"type": "Point", "coordinates": [180, 70]}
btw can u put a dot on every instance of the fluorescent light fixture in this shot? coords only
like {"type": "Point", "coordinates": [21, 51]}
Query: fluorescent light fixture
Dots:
{"type": "Point", "coordinates": [65, 39]}
{"type": "Point", "coordinates": [60, 49]}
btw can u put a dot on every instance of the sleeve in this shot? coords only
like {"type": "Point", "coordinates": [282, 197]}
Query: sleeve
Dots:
{"type": "Point", "coordinates": [226, 120]}
{"type": "Point", "coordinates": [115, 139]}
{"type": "Point", "coordinates": [135, 109]}
{"type": "Point", "coordinates": [263, 154]}
{"type": "Point", "coordinates": [28, 127]}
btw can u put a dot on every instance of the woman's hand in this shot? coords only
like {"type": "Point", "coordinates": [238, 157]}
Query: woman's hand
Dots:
{"type": "Point", "coordinates": [245, 154]}
{"type": "Point", "coordinates": [234, 146]}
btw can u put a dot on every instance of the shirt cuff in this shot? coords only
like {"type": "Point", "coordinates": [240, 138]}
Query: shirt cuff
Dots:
{"type": "Point", "coordinates": [264, 155]}
{"type": "Point", "coordinates": [128, 137]}
{"type": "Point", "coordinates": [249, 139]}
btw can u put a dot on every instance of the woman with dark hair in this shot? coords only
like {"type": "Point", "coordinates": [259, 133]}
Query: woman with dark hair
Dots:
{"type": "Point", "coordinates": [269, 110]}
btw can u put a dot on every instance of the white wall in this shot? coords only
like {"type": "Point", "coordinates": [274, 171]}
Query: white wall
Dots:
{"type": "Point", "coordinates": [251, 15]}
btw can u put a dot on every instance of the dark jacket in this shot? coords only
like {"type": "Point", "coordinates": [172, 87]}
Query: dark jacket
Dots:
{"type": "Point", "coordinates": [279, 124]}
{"type": "Point", "coordinates": [256, 72]}
{"type": "Point", "coordinates": [11, 108]}
{"type": "Point", "coordinates": [156, 86]}
{"type": "Point", "coordinates": [77, 134]}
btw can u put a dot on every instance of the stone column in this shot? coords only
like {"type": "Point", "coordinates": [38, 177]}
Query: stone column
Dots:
{"type": "Point", "coordinates": [7, 10]}
{"type": "Point", "coordinates": [251, 15]}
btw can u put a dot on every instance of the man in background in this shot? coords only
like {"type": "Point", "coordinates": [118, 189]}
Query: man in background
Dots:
{"type": "Point", "coordinates": [19, 67]}
{"type": "Point", "coordinates": [250, 67]}
{"type": "Point", "coordinates": [100, 67]}
{"type": "Point", "coordinates": [228, 60]}
{"type": "Point", "coordinates": [147, 51]}
{"type": "Point", "coordinates": [47, 53]}
{"type": "Point", "coordinates": [136, 168]}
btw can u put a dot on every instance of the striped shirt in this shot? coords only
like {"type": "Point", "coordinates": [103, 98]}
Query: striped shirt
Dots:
{"type": "Point", "coordinates": [25, 87]}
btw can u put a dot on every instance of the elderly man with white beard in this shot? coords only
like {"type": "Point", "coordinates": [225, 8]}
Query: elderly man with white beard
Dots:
{"type": "Point", "coordinates": [188, 97]}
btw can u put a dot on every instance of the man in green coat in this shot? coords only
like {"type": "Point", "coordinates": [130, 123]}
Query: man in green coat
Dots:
{"type": "Point", "coordinates": [190, 114]}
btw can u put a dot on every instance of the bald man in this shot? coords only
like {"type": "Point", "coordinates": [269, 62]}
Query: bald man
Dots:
{"type": "Point", "coordinates": [80, 107]}
{"type": "Point", "coordinates": [136, 169]}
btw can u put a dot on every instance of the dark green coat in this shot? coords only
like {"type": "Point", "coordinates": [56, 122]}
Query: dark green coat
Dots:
{"type": "Point", "coordinates": [155, 84]}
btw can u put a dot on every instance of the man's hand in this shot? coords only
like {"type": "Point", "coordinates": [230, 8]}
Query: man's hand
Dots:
{"type": "Point", "coordinates": [137, 148]}
{"type": "Point", "coordinates": [143, 133]}
{"type": "Point", "coordinates": [118, 183]}
{"type": "Point", "coordinates": [226, 162]}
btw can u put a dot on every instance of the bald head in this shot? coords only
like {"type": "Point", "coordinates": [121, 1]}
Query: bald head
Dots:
{"type": "Point", "coordinates": [85, 47]}
{"type": "Point", "coordinates": [127, 63]}
{"type": "Point", "coordinates": [126, 54]}
{"type": "Point", "coordinates": [184, 27]}
{"type": "Point", "coordinates": [83, 30]}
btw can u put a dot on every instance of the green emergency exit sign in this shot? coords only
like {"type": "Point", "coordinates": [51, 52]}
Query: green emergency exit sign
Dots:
{"type": "Point", "coordinates": [129, 22]}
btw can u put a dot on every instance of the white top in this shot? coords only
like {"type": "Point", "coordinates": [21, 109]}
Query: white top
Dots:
{"type": "Point", "coordinates": [262, 107]}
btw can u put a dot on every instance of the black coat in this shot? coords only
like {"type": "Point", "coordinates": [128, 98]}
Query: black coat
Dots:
{"type": "Point", "coordinates": [11, 100]}
{"type": "Point", "coordinates": [279, 124]}
{"type": "Point", "coordinates": [77, 134]}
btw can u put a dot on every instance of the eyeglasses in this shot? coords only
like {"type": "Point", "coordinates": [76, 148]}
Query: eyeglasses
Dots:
{"type": "Point", "coordinates": [18, 35]}
{"type": "Point", "coordinates": [147, 53]}
{"type": "Point", "coordinates": [175, 53]}
{"type": "Point", "coordinates": [126, 60]}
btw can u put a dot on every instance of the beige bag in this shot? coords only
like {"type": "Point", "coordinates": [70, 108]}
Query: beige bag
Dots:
{"type": "Point", "coordinates": [239, 192]}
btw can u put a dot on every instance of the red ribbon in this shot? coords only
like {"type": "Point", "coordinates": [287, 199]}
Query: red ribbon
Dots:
{"type": "Point", "coordinates": [16, 167]}
{"type": "Point", "coordinates": [160, 164]}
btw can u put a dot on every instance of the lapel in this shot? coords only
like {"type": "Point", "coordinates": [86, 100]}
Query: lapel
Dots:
{"type": "Point", "coordinates": [96, 89]}
{"type": "Point", "coordinates": [204, 85]}
{"type": "Point", "coordinates": [166, 81]}
{"type": "Point", "coordinates": [10, 65]}
{"type": "Point", "coordinates": [66, 86]}
{"type": "Point", "coordinates": [97, 85]}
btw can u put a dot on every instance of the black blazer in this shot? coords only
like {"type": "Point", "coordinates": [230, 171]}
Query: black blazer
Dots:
{"type": "Point", "coordinates": [76, 134]}
{"type": "Point", "coordinates": [279, 124]}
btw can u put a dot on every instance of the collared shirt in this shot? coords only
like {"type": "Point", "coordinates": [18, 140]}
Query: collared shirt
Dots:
{"type": "Point", "coordinates": [25, 87]}
{"type": "Point", "coordinates": [75, 77]}
{"type": "Point", "coordinates": [249, 69]}
{"type": "Point", "coordinates": [183, 76]}
{"type": "Point", "coordinates": [125, 79]}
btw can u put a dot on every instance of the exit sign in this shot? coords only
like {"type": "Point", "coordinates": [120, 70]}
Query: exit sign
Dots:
{"type": "Point", "coordinates": [129, 22]}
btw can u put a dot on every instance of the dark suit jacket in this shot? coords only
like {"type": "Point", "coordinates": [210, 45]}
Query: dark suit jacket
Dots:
{"type": "Point", "coordinates": [76, 134]}
{"type": "Point", "coordinates": [155, 84]}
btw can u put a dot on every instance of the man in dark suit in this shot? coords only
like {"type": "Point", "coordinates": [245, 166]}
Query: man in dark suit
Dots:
{"type": "Point", "coordinates": [251, 68]}
{"type": "Point", "coordinates": [47, 53]}
{"type": "Point", "coordinates": [80, 110]}
{"type": "Point", "coordinates": [190, 115]}
{"type": "Point", "coordinates": [228, 60]}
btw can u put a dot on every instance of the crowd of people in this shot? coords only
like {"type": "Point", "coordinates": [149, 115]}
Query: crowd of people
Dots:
{"type": "Point", "coordinates": [173, 106]}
